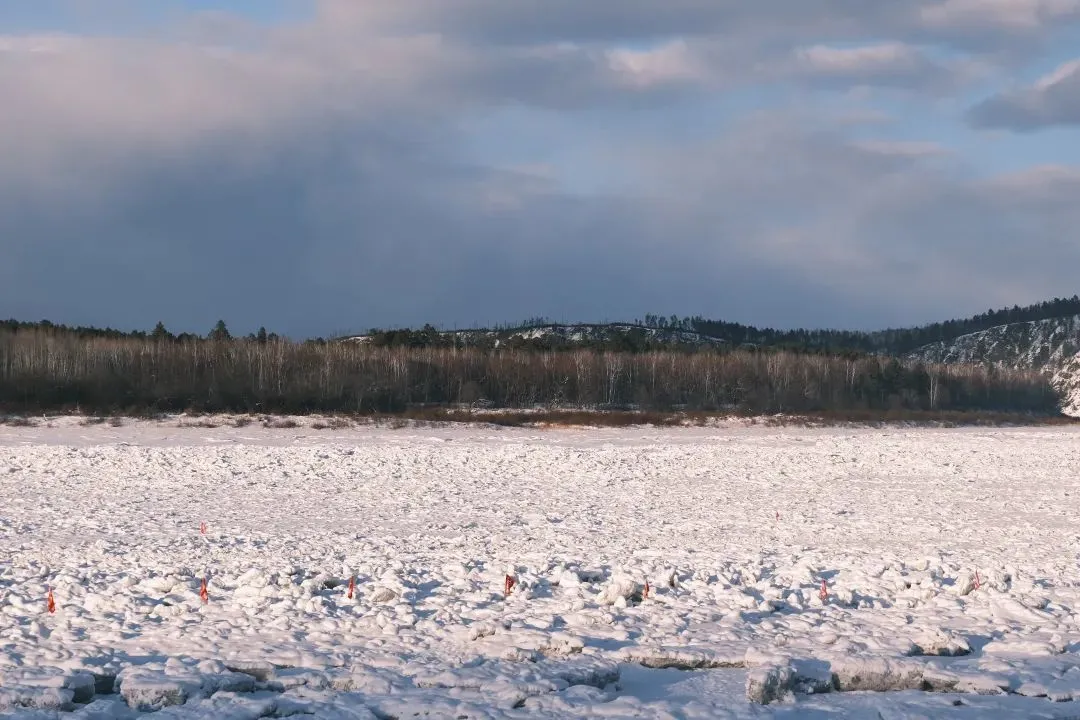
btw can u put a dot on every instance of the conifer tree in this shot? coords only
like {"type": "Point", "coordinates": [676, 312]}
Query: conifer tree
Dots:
{"type": "Point", "coordinates": [220, 332]}
{"type": "Point", "coordinates": [160, 333]}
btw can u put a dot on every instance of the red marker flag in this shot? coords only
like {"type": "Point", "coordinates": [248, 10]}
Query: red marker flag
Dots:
{"type": "Point", "coordinates": [509, 585]}
{"type": "Point", "coordinates": [352, 586]}
{"type": "Point", "coordinates": [824, 594]}
{"type": "Point", "coordinates": [51, 603]}
{"type": "Point", "coordinates": [203, 592]}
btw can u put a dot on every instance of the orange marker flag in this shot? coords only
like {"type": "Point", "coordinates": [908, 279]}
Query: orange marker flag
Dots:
{"type": "Point", "coordinates": [352, 586]}
{"type": "Point", "coordinates": [824, 594]}
{"type": "Point", "coordinates": [203, 592]}
{"type": "Point", "coordinates": [51, 602]}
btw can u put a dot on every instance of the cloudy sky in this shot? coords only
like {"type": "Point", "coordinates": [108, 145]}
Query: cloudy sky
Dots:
{"type": "Point", "coordinates": [319, 166]}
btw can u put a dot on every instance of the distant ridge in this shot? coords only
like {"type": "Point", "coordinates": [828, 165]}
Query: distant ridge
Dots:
{"type": "Point", "coordinates": [656, 331]}
{"type": "Point", "coordinates": [615, 336]}
{"type": "Point", "coordinates": [651, 332]}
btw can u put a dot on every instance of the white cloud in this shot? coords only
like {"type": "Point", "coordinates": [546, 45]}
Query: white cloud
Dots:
{"type": "Point", "coordinates": [898, 65]}
{"type": "Point", "coordinates": [1017, 15]}
{"type": "Point", "coordinates": [883, 64]}
{"type": "Point", "coordinates": [1064, 73]}
{"type": "Point", "coordinates": [672, 62]}
{"type": "Point", "coordinates": [1052, 100]}
{"type": "Point", "coordinates": [1047, 184]}
{"type": "Point", "coordinates": [886, 58]}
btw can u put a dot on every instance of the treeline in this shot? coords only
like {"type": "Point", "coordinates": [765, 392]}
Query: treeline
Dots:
{"type": "Point", "coordinates": [219, 332]}
{"type": "Point", "coordinates": [43, 371]}
{"type": "Point", "coordinates": [600, 338]}
{"type": "Point", "coordinates": [636, 336]}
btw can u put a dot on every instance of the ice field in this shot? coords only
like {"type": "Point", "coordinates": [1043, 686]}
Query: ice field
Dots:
{"type": "Point", "coordinates": [949, 560]}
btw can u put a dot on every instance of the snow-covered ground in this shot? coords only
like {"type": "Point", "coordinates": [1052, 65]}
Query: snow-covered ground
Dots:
{"type": "Point", "coordinates": [949, 558]}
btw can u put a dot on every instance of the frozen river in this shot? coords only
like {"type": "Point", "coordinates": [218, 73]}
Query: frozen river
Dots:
{"type": "Point", "coordinates": [948, 560]}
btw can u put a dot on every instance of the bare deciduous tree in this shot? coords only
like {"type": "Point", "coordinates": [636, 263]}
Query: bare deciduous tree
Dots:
{"type": "Point", "coordinates": [42, 370]}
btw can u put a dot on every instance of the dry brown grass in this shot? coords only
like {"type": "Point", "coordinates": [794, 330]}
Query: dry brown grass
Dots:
{"type": "Point", "coordinates": [577, 418]}
{"type": "Point", "coordinates": [335, 423]}
{"type": "Point", "coordinates": [569, 418]}
{"type": "Point", "coordinates": [18, 421]}
{"type": "Point", "coordinates": [202, 423]}
{"type": "Point", "coordinates": [925, 418]}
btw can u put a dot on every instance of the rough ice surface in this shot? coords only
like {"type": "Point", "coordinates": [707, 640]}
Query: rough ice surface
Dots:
{"type": "Point", "coordinates": [949, 559]}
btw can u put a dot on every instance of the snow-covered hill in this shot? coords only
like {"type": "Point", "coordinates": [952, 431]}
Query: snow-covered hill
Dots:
{"type": "Point", "coordinates": [1067, 381]}
{"type": "Point", "coordinates": [1050, 345]}
{"type": "Point", "coordinates": [1030, 346]}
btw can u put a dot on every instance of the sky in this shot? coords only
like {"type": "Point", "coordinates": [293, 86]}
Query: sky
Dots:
{"type": "Point", "coordinates": [328, 166]}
